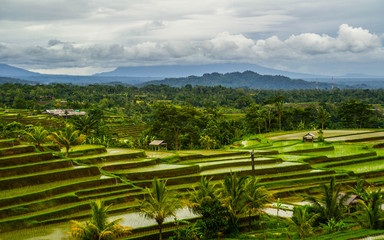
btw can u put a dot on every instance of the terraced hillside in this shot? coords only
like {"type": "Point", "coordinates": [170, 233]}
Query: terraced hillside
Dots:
{"type": "Point", "coordinates": [39, 188]}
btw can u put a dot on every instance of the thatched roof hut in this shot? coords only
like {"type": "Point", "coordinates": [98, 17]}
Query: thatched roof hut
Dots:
{"type": "Point", "coordinates": [309, 137]}
{"type": "Point", "coordinates": [158, 144]}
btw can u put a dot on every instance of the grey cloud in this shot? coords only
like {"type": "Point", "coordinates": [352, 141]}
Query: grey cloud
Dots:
{"type": "Point", "coordinates": [351, 43]}
{"type": "Point", "coordinates": [25, 10]}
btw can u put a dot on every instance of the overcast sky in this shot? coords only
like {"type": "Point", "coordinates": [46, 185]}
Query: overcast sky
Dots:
{"type": "Point", "coordinates": [330, 37]}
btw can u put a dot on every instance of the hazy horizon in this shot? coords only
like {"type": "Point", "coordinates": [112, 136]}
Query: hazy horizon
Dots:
{"type": "Point", "coordinates": [85, 37]}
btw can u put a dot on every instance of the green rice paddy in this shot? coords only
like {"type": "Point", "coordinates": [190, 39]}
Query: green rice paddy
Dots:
{"type": "Point", "coordinates": [286, 173]}
{"type": "Point", "coordinates": [364, 167]}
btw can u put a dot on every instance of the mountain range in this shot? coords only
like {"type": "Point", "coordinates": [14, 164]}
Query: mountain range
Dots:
{"type": "Point", "coordinates": [208, 74]}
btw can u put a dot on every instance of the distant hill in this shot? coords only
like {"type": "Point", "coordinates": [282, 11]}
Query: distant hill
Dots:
{"type": "Point", "coordinates": [174, 71]}
{"type": "Point", "coordinates": [141, 74]}
{"type": "Point", "coordinates": [14, 72]}
{"type": "Point", "coordinates": [15, 80]}
{"type": "Point", "coordinates": [247, 79]}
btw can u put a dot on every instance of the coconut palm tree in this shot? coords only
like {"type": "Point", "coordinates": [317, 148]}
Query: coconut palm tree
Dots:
{"type": "Point", "coordinates": [301, 222]}
{"type": "Point", "coordinates": [67, 138]}
{"type": "Point", "coordinates": [331, 204]}
{"type": "Point", "coordinates": [323, 115]}
{"type": "Point", "coordinates": [279, 109]}
{"type": "Point", "coordinates": [38, 135]}
{"type": "Point", "coordinates": [257, 197]}
{"type": "Point", "coordinates": [370, 210]}
{"type": "Point", "coordinates": [205, 202]}
{"type": "Point", "coordinates": [98, 226]}
{"type": "Point", "coordinates": [159, 203]}
{"type": "Point", "coordinates": [233, 192]}
{"type": "Point", "coordinates": [85, 124]}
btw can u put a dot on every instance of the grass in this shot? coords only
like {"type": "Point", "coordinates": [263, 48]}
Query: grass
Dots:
{"type": "Point", "coordinates": [285, 178]}
{"type": "Point", "coordinates": [293, 158]}
{"type": "Point", "coordinates": [46, 188]}
{"type": "Point", "coordinates": [112, 152]}
{"type": "Point", "coordinates": [363, 167]}
{"type": "Point", "coordinates": [275, 166]}
{"type": "Point", "coordinates": [343, 149]}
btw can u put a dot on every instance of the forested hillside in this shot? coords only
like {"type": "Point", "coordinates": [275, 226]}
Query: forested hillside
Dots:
{"type": "Point", "coordinates": [247, 79]}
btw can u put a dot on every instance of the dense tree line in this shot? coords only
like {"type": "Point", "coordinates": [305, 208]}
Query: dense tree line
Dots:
{"type": "Point", "coordinates": [194, 117]}
{"type": "Point", "coordinates": [27, 96]}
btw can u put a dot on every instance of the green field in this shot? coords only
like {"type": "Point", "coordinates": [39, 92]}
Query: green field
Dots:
{"type": "Point", "coordinates": [293, 168]}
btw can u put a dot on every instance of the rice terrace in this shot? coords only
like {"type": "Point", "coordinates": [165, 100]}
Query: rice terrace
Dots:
{"type": "Point", "coordinates": [191, 120]}
{"type": "Point", "coordinates": [44, 188]}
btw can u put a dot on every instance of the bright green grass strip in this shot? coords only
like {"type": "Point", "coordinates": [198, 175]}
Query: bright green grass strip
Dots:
{"type": "Point", "coordinates": [111, 152]}
{"type": "Point", "coordinates": [247, 168]}
{"type": "Point", "coordinates": [67, 206]}
{"type": "Point", "coordinates": [363, 167]}
{"type": "Point", "coordinates": [35, 164]}
{"type": "Point", "coordinates": [23, 155]}
{"type": "Point", "coordinates": [343, 150]}
{"type": "Point", "coordinates": [46, 172]}
{"type": "Point", "coordinates": [85, 147]}
{"type": "Point", "coordinates": [8, 140]}
{"type": "Point", "coordinates": [303, 146]}
{"type": "Point", "coordinates": [126, 161]}
{"type": "Point", "coordinates": [280, 144]}
{"type": "Point", "coordinates": [201, 160]}
{"type": "Point", "coordinates": [43, 187]}
{"type": "Point", "coordinates": [203, 164]}
{"type": "Point", "coordinates": [293, 158]}
{"type": "Point", "coordinates": [349, 234]}
{"type": "Point", "coordinates": [16, 147]}
{"type": "Point", "coordinates": [154, 168]}
{"type": "Point", "coordinates": [206, 152]}
{"type": "Point", "coordinates": [299, 181]}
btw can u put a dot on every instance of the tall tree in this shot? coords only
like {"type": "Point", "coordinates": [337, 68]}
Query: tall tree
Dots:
{"type": "Point", "coordinates": [331, 204]}
{"type": "Point", "coordinates": [205, 202]}
{"type": "Point", "coordinates": [85, 124]}
{"type": "Point", "coordinates": [356, 114]}
{"type": "Point", "coordinates": [370, 212]}
{"type": "Point", "coordinates": [159, 204]}
{"type": "Point", "coordinates": [301, 222]}
{"type": "Point", "coordinates": [38, 135]}
{"type": "Point", "coordinates": [323, 116]}
{"type": "Point", "coordinates": [256, 196]}
{"type": "Point", "coordinates": [98, 226]}
{"type": "Point", "coordinates": [233, 192]}
{"type": "Point", "coordinates": [67, 138]}
{"type": "Point", "coordinates": [278, 101]}
{"type": "Point", "coordinates": [170, 122]}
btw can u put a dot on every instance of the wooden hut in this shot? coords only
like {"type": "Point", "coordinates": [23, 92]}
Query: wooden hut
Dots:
{"type": "Point", "coordinates": [158, 145]}
{"type": "Point", "coordinates": [309, 137]}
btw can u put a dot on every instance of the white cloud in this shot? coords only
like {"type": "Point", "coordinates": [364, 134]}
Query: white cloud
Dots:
{"type": "Point", "coordinates": [351, 44]}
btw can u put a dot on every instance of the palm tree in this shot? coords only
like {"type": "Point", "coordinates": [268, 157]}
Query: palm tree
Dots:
{"type": "Point", "coordinates": [67, 138]}
{"type": "Point", "coordinates": [233, 192]}
{"type": "Point", "coordinates": [205, 202]}
{"type": "Point", "coordinates": [331, 204]}
{"type": "Point", "coordinates": [301, 222]}
{"type": "Point", "coordinates": [323, 115]}
{"type": "Point", "coordinates": [159, 204]}
{"type": "Point", "coordinates": [38, 135]}
{"type": "Point", "coordinates": [98, 227]}
{"type": "Point", "coordinates": [256, 198]}
{"type": "Point", "coordinates": [371, 210]}
{"type": "Point", "coordinates": [85, 124]}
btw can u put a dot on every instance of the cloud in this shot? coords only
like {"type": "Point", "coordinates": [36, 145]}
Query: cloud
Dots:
{"type": "Point", "coordinates": [351, 44]}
